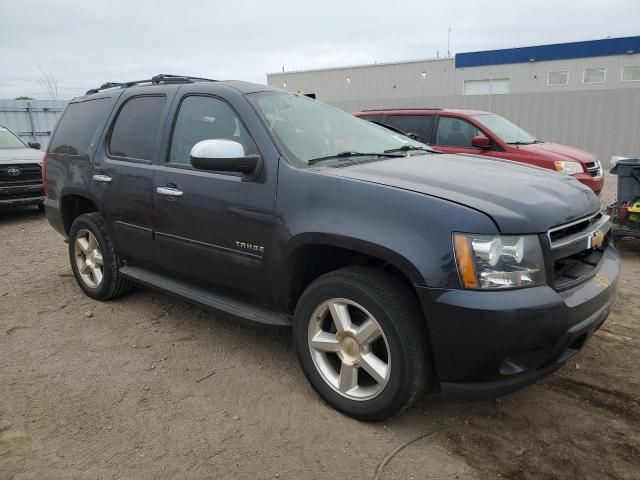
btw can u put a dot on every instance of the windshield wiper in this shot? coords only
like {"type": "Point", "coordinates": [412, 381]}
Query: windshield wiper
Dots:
{"type": "Point", "coordinates": [352, 154]}
{"type": "Point", "coordinates": [522, 143]}
{"type": "Point", "coordinates": [407, 148]}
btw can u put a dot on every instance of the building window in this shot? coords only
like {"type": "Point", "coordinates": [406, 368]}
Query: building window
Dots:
{"type": "Point", "coordinates": [630, 73]}
{"type": "Point", "coordinates": [555, 79]}
{"type": "Point", "coordinates": [594, 75]}
{"type": "Point", "coordinates": [495, 86]}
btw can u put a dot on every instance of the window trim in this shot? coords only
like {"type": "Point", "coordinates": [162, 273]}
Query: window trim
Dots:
{"type": "Point", "coordinates": [115, 120]}
{"type": "Point", "coordinates": [464, 119]}
{"type": "Point", "coordinates": [558, 84]}
{"type": "Point", "coordinates": [584, 74]}
{"type": "Point", "coordinates": [165, 161]}
{"type": "Point", "coordinates": [622, 73]}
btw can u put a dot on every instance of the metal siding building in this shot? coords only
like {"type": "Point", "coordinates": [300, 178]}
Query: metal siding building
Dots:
{"type": "Point", "coordinates": [602, 117]}
{"type": "Point", "coordinates": [31, 120]}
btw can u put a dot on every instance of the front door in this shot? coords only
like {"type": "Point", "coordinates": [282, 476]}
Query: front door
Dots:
{"type": "Point", "coordinates": [454, 135]}
{"type": "Point", "coordinates": [213, 228]}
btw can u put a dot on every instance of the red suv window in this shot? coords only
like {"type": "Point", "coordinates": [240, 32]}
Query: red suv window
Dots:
{"type": "Point", "coordinates": [455, 132]}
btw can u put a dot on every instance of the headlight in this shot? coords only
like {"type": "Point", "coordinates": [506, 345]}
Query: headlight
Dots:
{"type": "Point", "coordinates": [570, 168]}
{"type": "Point", "coordinates": [493, 261]}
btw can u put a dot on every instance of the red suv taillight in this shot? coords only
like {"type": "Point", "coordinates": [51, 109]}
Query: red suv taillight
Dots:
{"type": "Point", "coordinates": [44, 173]}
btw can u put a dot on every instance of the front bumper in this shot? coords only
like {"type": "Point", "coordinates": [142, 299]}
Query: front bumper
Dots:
{"type": "Point", "coordinates": [594, 183]}
{"type": "Point", "coordinates": [16, 195]}
{"type": "Point", "coordinates": [488, 344]}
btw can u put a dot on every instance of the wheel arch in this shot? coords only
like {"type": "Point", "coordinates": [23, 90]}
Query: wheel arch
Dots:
{"type": "Point", "coordinates": [308, 256]}
{"type": "Point", "coordinates": [73, 204]}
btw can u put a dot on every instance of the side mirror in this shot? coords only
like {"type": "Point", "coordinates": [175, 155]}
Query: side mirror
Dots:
{"type": "Point", "coordinates": [223, 156]}
{"type": "Point", "coordinates": [35, 145]}
{"type": "Point", "coordinates": [480, 141]}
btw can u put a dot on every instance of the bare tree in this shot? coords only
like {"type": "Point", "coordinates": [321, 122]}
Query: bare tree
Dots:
{"type": "Point", "coordinates": [49, 82]}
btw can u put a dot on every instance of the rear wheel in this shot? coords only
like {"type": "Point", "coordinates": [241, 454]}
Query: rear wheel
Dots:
{"type": "Point", "coordinates": [93, 259]}
{"type": "Point", "coordinates": [359, 339]}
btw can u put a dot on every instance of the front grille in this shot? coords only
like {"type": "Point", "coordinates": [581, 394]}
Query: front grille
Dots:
{"type": "Point", "coordinates": [577, 248]}
{"type": "Point", "coordinates": [594, 168]}
{"type": "Point", "coordinates": [20, 173]}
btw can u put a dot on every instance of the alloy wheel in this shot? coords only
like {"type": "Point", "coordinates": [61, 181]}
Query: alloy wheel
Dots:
{"type": "Point", "coordinates": [349, 349]}
{"type": "Point", "coordinates": [89, 258]}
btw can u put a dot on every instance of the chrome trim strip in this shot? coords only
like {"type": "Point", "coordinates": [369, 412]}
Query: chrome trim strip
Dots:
{"type": "Point", "coordinates": [605, 221]}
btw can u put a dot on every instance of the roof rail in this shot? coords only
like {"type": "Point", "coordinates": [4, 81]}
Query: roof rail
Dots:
{"type": "Point", "coordinates": [155, 80]}
{"type": "Point", "coordinates": [402, 108]}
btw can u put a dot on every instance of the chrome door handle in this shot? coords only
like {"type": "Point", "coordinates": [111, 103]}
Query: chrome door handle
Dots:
{"type": "Point", "coordinates": [169, 192]}
{"type": "Point", "coordinates": [102, 178]}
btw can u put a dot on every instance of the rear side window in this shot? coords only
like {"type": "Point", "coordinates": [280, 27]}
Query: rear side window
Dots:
{"type": "Point", "coordinates": [421, 125]}
{"type": "Point", "coordinates": [135, 128]}
{"type": "Point", "coordinates": [77, 127]}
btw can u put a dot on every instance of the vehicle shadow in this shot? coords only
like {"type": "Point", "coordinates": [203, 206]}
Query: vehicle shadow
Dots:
{"type": "Point", "coordinates": [13, 215]}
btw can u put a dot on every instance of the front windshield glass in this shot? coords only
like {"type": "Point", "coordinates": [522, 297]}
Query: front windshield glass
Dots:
{"type": "Point", "coordinates": [9, 140]}
{"type": "Point", "coordinates": [309, 130]}
{"type": "Point", "coordinates": [509, 132]}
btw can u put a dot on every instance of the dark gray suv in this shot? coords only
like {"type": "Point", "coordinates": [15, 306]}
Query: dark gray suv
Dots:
{"type": "Point", "coordinates": [399, 268]}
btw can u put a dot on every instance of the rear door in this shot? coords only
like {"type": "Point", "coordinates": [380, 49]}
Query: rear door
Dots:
{"type": "Point", "coordinates": [123, 169]}
{"type": "Point", "coordinates": [454, 135]}
{"type": "Point", "coordinates": [214, 228]}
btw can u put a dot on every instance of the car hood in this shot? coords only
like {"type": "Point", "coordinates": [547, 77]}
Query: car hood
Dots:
{"type": "Point", "coordinates": [556, 151]}
{"type": "Point", "coordinates": [519, 198]}
{"type": "Point", "coordinates": [20, 155]}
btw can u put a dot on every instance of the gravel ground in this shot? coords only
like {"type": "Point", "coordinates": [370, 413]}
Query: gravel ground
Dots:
{"type": "Point", "coordinates": [116, 390]}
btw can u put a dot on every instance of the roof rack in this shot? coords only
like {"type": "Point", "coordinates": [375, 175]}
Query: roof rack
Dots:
{"type": "Point", "coordinates": [403, 108]}
{"type": "Point", "coordinates": [155, 80]}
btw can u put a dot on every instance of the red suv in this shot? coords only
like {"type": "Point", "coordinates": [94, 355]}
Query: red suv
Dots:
{"type": "Point", "coordinates": [484, 133]}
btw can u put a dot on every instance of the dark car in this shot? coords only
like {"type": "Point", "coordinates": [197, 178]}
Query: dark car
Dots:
{"type": "Point", "coordinates": [395, 271]}
{"type": "Point", "coordinates": [20, 171]}
{"type": "Point", "coordinates": [490, 135]}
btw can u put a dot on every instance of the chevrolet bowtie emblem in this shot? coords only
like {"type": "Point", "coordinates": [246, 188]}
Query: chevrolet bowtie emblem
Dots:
{"type": "Point", "coordinates": [597, 239]}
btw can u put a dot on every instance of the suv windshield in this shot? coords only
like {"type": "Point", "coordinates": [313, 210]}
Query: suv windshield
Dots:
{"type": "Point", "coordinates": [309, 130]}
{"type": "Point", "coordinates": [9, 140]}
{"type": "Point", "coordinates": [509, 132]}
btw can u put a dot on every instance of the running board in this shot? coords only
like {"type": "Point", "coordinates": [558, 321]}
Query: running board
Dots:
{"type": "Point", "coordinates": [206, 298]}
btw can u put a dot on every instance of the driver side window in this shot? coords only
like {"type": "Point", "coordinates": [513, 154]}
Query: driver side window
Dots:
{"type": "Point", "coordinates": [206, 118]}
{"type": "Point", "coordinates": [455, 132]}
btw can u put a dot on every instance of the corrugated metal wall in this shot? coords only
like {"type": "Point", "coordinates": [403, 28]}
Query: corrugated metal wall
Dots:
{"type": "Point", "coordinates": [32, 120]}
{"type": "Point", "coordinates": [605, 122]}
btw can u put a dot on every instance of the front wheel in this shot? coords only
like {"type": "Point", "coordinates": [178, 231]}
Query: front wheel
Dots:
{"type": "Point", "coordinates": [360, 340]}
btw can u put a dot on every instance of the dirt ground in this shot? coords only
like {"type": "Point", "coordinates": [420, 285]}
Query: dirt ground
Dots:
{"type": "Point", "coordinates": [114, 390]}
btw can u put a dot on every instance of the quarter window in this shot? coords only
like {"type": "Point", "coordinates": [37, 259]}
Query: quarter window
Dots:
{"type": "Point", "coordinates": [77, 127]}
{"type": "Point", "coordinates": [631, 73]}
{"type": "Point", "coordinates": [206, 118]}
{"type": "Point", "coordinates": [454, 132]}
{"type": "Point", "coordinates": [421, 125]}
{"type": "Point", "coordinates": [594, 75]}
{"type": "Point", "coordinates": [136, 127]}
{"type": "Point", "coordinates": [558, 78]}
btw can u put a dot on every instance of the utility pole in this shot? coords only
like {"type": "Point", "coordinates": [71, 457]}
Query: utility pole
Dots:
{"type": "Point", "coordinates": [449, 41]}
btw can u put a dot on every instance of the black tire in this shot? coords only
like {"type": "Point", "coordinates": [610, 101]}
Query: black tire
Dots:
{"type": "Point", "coordinates": [113, 284]}
{"type": "Point", "coordinates": [396, 310]}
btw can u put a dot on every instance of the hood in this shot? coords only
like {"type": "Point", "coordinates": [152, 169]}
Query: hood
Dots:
{"type": "Point", "coordinates": [20, 155]}
{"type": "Point", "coordinates": [556, 151]}
{"type": "Point", "coordinates": [519, 198]}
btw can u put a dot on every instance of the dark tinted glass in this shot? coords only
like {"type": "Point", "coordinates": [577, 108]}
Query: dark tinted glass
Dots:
{"type": "Point", "coordinates": [421, 125]}
{"type": "Point", "coordinates": [134, 132]}
{"type": "Point", "coordinates": [77, 126]}
{"type": "Point", "coordinates": [206, 118]}
{"type": "Point", "coordinates": [371, 118]}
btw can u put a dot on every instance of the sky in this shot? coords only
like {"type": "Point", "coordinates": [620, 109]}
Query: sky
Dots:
{"type": "Point", "coordinates": [83, 43]}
